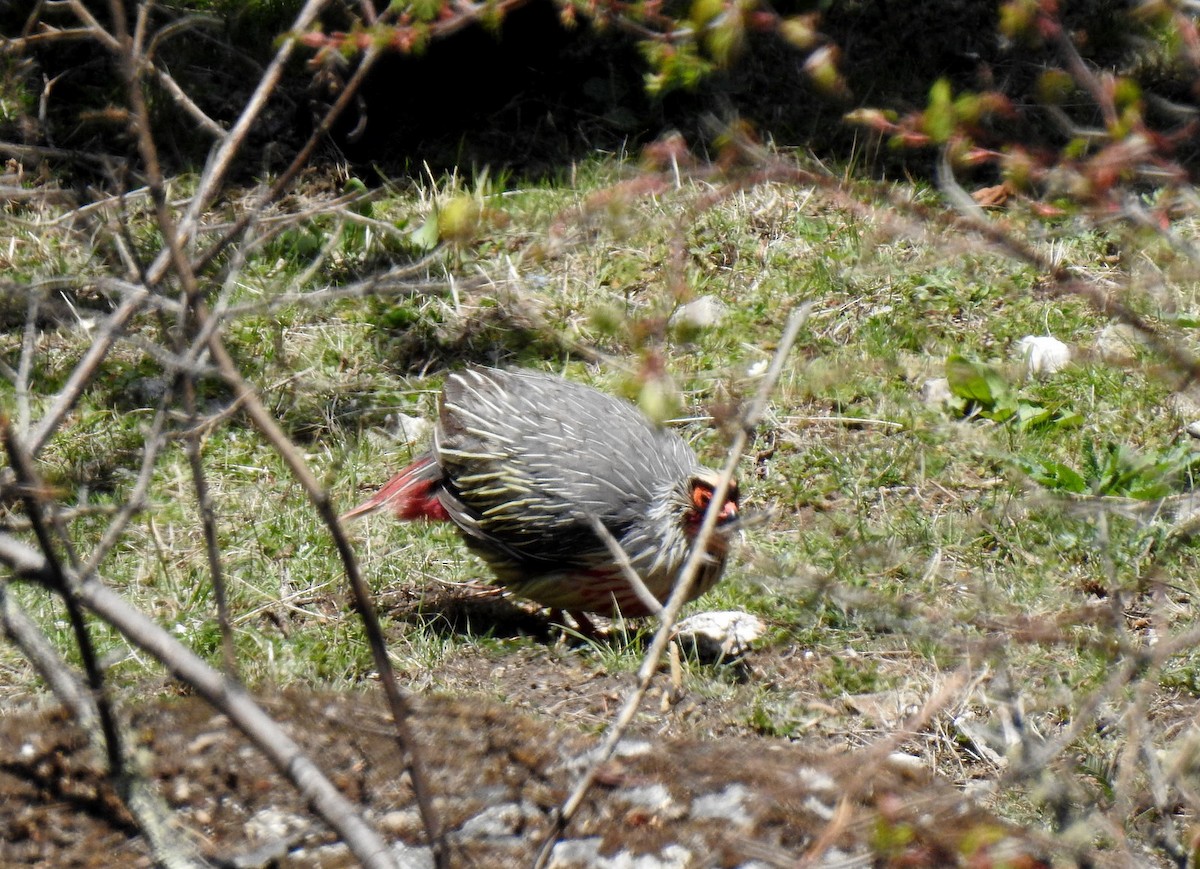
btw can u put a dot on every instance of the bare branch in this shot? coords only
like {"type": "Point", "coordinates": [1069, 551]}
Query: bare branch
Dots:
{"type": "Point", "coordinates": [33, 153]}
{"type": "Point", "coordinates": [23, 633]}
{"type": "Point", "coordinates": [147, 807]}
{"type": "Point", "coordinates": [222, 158]}
{"type": "Point", "coordinates": [360, 593]}
{"type": "Point", "coordinates": [93, 26]}
{"type": "Point", "coordinates": [31, 488]}
{"type": "Point", "coordinates": [208, 523]}
{"type": "Point", "coordinates": [135, 502]}
{"type": "Point", "coordinates": [682, 589]}
{"type": "Point", "coordinates": [223, 694]}
{"type": "Point", "coordinates": [24, 562]}
{"type": "Point", "coordinates": [186, 103]}
{"type": "Point", "coordinates": [25, 365]}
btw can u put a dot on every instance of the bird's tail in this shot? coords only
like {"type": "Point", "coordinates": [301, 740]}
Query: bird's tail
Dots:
{"type": "Point", "coordinates": [411, 494]}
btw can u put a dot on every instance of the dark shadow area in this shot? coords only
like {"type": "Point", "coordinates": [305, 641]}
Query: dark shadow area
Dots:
{"type": "Point", "coordinates": [60, 773]}
{"type": "Point", "coordinates": [483, 614]}
{"type": "Point", "coordinates": [531, 97]}
{"type": "Point", "coordinates": [475, 614]}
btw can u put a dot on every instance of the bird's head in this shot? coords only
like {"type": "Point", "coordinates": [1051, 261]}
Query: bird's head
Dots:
{"type": "Point", "coordinates": [700, 490]}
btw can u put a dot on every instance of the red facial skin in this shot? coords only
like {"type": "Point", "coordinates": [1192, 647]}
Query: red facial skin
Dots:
{"type": "Point", "coordinates": [701, 497]}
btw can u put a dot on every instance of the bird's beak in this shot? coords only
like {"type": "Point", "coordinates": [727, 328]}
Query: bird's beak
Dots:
{"type": "Point", "coordinates": [729, 511]}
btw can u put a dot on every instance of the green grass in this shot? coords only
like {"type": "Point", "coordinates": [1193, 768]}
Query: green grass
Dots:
{"type": "Point", "coordinates": [898, 549]}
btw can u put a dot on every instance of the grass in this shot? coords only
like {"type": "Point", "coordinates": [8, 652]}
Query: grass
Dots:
{"type": "Point", "coordinates": [904, 540]}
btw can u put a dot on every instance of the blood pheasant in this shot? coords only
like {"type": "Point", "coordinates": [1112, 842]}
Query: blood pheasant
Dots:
{"type": "Point", "coordinates": [526, 464]}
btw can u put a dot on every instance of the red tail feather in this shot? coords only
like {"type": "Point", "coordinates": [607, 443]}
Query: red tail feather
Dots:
{"type": "Point", "coordinates": [411, 494]}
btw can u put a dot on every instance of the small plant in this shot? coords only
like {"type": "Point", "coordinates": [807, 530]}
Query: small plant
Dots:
{"type": "Point", "coordinates": [1116, 469]}
{"type": "Point", "coordinates": [981, 390]}
{"type": "Point", "coordinates": [852, 676]}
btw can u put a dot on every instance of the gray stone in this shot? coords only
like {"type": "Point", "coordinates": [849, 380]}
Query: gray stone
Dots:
{"type": "Point", "coordinates": [495, 822]}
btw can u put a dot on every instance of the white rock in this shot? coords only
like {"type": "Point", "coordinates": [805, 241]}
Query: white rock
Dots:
{"type": "Point", "coordinates": [721, 634]}
{"type": "Point", "coordinates": [1186, 409]}
{"type": "Point", "coordinates": [271, 823]}
{"type": "Point", "coordinates": [907, 763]}
{"type": "Point", "coordinates": [1043, 354]}
{"type": "Point", "coordinates": [416, 856]}
{"type": "Point", "coordinates": [935, 392]}
{"type": "Point", "coordinates": [408, 429]}
{"type": "Point", "coordinates": [495, 822]}
{"type": "Point", "coordinates": [702, 313]}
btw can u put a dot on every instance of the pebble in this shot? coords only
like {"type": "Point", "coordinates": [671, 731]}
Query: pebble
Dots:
{"type": "Point", "coordinates": [1044, 355]}
{"type": "Point", "coordinates": [716, 635]}
{"type": "Point", "coordinates": [935, 392]}
{"type": "Point", "coordinates": [1118, 344]}
{"type": "Point", "coordinates": [702, 313]}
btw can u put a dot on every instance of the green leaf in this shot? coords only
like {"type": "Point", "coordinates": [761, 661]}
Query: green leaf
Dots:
{"type": "Point", "coordinates": [800, 30]}
{"type": "Point", "coordinates": [1068, 419]}
{"type": "Point", "coordinates": [1032, 415]}
{"type": "Point", "coordinates": [977, 382]}
{"type": "Point", "coordinates": [1056, 476]}
{"type": "Point", "coordinates": [425, 237]}
{"type": "Point", "coordinates": [355, 186]}
{"type": "Point", "coordinates": [425, 10]}
{"type": "Point", "coordinates": [1055, 87]}
{"type": "Point", "coordinates": [939, 118]}
{"type": "Point", "coordinates": [704, 11]}
{"type": "Point", "coordinates": [1002, 412]}
{"type": "Point", "coordinates": [724, 40]}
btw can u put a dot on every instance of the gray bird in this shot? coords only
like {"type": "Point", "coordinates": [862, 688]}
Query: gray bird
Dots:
{"type": "Point", "coordinates": [526, 464]}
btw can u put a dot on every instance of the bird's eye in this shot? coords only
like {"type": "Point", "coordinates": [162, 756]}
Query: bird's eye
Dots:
{"type": "Point", "coordinates": [701, 496]}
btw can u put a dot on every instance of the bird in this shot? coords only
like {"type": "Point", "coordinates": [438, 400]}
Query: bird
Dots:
{"type": "Point", "coordinates": [562, 489]}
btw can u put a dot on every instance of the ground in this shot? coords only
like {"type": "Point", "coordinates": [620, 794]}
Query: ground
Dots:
{"type": "Point", "coordinates": [498, 775]}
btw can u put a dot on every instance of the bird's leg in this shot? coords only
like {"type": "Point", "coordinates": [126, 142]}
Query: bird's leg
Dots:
{"type": "Point", "coordinates": [586, 628]}
{"type": "Point", "coordinates": [583, 625]}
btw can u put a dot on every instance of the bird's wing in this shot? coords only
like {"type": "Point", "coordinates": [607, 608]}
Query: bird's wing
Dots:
{"type": "Point", "coordinates": [530, 458]}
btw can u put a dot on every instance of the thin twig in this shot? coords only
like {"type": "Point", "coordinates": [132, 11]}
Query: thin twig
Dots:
{"type": "Point", "coordinates": [133, 64]}
{"type": "Point", "coordinates": [151, 812]}
{"type": "Point", "coordinates": [135, 501]}
{"type": "Point", "coordinates": [868, 762]}
{"type": "Point", "coordinates": [221, 159]}
{"type": "Point", "coordinates": [398, 701]}
{"type": "Point", "coordinates": [31, 486]}
{"type": "Point", "coordinates": [682, 590]}
{"type": "Point", "coordinates": [24, 633]}
{"type": "Point", "coordinates": [388, 283]}
{"type": "Point", "coordinates": [25, 364]}
{"type": "Point", "coordinates": [33, 153]}
{"type": "Point", "coordinates": [208, 524]}
{"type": "Point", "coordinates": [849, 421]}
{"type": "Point", "coordinates": [621, 557]}
{"type": "Point", "coordinates": [185, 102]}
{"type": "Point", "coordinates": [219, 162]}
{"type": "Point", "coordinates": [95, 30]}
